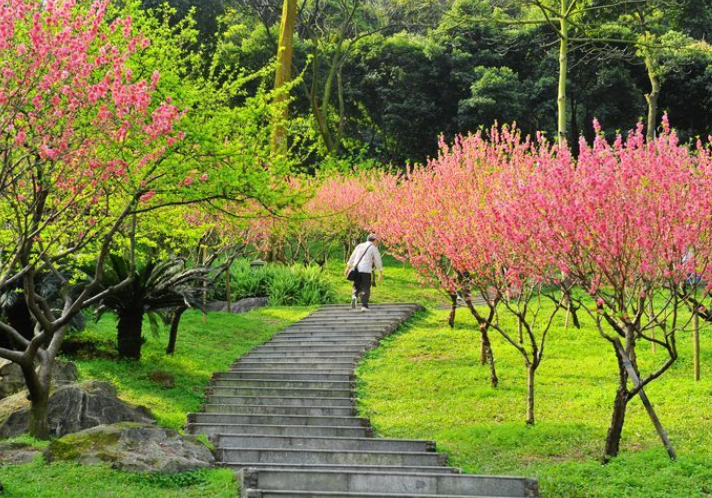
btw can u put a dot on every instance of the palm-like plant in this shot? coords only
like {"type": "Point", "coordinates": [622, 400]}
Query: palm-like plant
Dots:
{"type": "Point", "coordinates": [155, 288]}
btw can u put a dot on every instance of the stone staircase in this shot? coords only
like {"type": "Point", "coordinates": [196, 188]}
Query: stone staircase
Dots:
{"type": "Point", "coordinates": [283, 416]}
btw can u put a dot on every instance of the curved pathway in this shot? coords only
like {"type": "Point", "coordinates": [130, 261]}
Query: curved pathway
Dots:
{"type": "Point", "coordinates": [284, 417]}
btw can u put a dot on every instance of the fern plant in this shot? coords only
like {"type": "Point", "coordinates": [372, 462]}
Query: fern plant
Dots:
{"type": "Point", "coordinates": [155, 287]}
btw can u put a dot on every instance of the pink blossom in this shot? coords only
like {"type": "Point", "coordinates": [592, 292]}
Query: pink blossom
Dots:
{"type": "Point", "coordinates": [21, 137]}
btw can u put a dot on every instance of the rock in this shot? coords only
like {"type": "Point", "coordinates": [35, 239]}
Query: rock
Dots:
{"type": "Point", "coordinates": [64, 373]}
{"type": "Point", "coordinates": [16, 453]}
{"type": "Point", "coordinates": [241, 306]}
{"type": "Point", "coordinates": [72, 408]}
{"type": "Point", "coordinates": [132, 447]}
{"type": "Point", "coordinates": [12, 381]}
{"type": "Point", "coordinates": [163, 378]}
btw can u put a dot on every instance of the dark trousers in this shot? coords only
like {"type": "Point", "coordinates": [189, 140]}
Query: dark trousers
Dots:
{"type": "Point", "coordinates": [362, 287]}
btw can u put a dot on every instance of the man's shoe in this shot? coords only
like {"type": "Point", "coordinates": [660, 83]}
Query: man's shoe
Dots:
{"type": "Point", "coordinates": [353, 302]}
{"type": "Point", "coordinates": [364, 308]}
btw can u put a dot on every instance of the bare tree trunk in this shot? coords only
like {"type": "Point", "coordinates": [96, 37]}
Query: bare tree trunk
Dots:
{"type": "Point", "coordinates": [453, 310]}
{"type": "Point", "coordinates": [175, 322]}
{"type": "Point", "coordinates": [615, 430]}
{"type": "Point", "coordinates": [228, 298]}
{"type": "Point", "coordinates": [129, 334]}
{"type": "Point", "coordinates": [652, 97]}
{"type": "Point", "coordinates": [486, 354]}
{"type": "Point", "coordinates": [620, 403]}
{"type": "Point", "coordinates": [520, 331]}
{"type": "Point", "coordinates": [696, 342]}
{"type": "Point", "coordinates": [651, 317]}
{"type": "Point", "coordinates": [39, 408]}
{"type": "Point", "coordinates": [563, 71]}
{"type": "Point", "coordinates": [531, 372]}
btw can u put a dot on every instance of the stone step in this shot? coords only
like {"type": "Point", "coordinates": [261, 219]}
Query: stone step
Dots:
{"type": "Point", "coordinates": [335, 334]}
{"type": "Point", "coordinates": [308, 411]}
{"type": "Point", "coordinates": [280, 401]}
{"type": "Point", "coordinates": [283, 371]}
{"type": "Point", "coordinates": [304, 392]}
{"type": "Point", "coordinates": [299, 365]}
{"type": "Point", "coordinates": [344, 328]}
{"type": "Point", "coordinates": [389, 482]}
{"type": "Point", "coordinates": [343, 339]}
{"type": "Point", "coordinates": [285, 410]}
{"type": "Point", "coordinates": [283, 383]}
{"type": "Point", "coordinates": [329, 457]}
{"type": "Point", "coordinates": [403, 305]}
{"type": "Point", "coordinates": [321, 342]}
{"type": "Point", "coordinates": [237, 418]}
{"type": "Point", "coordinates": [334, 338]}
{"type": "Point", "coordinates": [339, 308]}
{"type": "Point", "coordinates": [412, 469]}
{"type": "Point", "coordinates": [324, 443]}
{"type": "Point", "coordinates": [379, 326]}
{"type": "Point", "coordinates": [267, 374]}
{"type": "Point", "coordinates": [279, 493]}
{"type": "Point", "coordinates": [301, 359]}
{"type": "Point", "coordinates": [359, 321]}
{"type": "Point", "coordinates": [259, 355]}
{"type": "Point", "coordinates": [343, 336]}
{"type": "Point", "coordinates": [282, 430]}
{"type": "Point", "coordinates": [288, 349]}
{"type": "Point", "coordinates": [372, 314]}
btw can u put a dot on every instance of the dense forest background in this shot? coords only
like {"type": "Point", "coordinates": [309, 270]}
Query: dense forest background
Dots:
{"type": "Point", "coordinates": [382, 79]}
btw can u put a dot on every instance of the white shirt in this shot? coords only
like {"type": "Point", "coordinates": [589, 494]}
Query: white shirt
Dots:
{"type": "Point", "coordinates": [372, 258]}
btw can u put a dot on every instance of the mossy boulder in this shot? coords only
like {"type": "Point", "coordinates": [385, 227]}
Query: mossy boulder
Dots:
{"type": "Point", "coordinates": [72, 408]}
{"type": "Point", "coordinates": [132, 447]}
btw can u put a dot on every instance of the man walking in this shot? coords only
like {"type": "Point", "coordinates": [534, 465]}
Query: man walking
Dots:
{"type": "Point", "coordinates": [364, 258]}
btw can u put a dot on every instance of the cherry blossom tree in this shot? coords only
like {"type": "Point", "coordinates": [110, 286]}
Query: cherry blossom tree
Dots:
{"type": "Point", "coordinates": [434, 216]}
{"type": "Point", "coordinates": [84, 145]}
{"type": "Point", "coordinates": [629, 222]}
{"type": "Point", "coordinates": [521, 222]}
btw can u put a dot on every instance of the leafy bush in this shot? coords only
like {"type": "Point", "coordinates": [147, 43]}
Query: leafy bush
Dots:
{"type": "Point", "coordinates": [284, 285]}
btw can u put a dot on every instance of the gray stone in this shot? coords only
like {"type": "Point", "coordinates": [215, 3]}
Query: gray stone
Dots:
{"type": "Point", "coordinates": [12, 381]}
{"type": "Point", "coordinates": [132, 447]}
{"type": "Point", "coordinates": [241, 306]}
{"type": "Point", "coordinates": [17, 453]}
{"type": "Point", "coordinates": [72, 408]}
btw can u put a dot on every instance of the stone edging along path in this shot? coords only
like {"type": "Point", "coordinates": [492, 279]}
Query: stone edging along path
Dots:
{"type": "Point", "coordinates": [284, 417]}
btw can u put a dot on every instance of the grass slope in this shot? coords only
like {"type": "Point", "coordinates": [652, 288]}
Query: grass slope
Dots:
{"type": "Point", "coordinates": [202, 349]}
{"type": "Point", "coordinates": [426, 382]}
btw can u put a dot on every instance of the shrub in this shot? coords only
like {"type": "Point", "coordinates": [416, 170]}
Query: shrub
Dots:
{"type": "Point", "coordinates": [284, 285]}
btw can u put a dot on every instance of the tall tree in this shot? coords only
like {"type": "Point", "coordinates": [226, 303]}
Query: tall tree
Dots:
{"type": "Point", "coordinates": [283, 75]}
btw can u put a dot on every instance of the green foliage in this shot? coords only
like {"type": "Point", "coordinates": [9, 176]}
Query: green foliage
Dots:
{"type": "Point", "coordinates": [210, 345]}
{"type": "Point", "coordinates": [294, 285]}
{"type": "Point", "coordinates": [427, 382]}
{"type": "Point", "coordinates": [155, 286]}
{"type": "Point", "coordinates": [180, 480]}
{"type": "Point", "coordinates": [497, 95]}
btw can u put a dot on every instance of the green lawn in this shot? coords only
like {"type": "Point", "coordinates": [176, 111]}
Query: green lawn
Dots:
{"type": "Point", "coordinates": [203, 348]}
{"type": "Point", "coordinates": [426, 382]}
